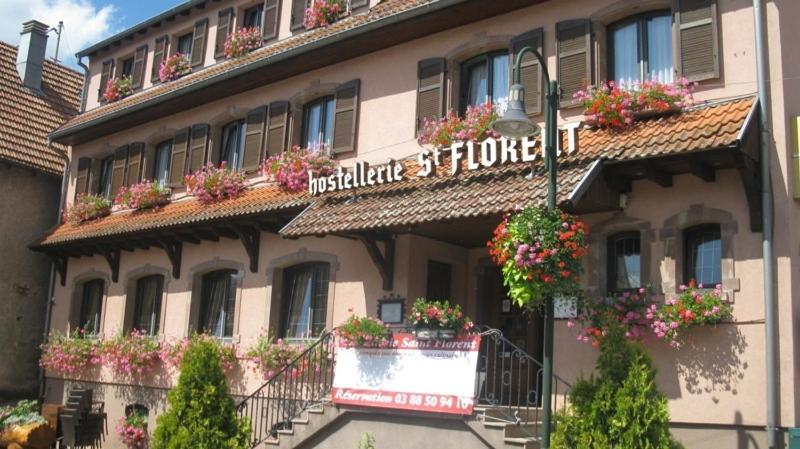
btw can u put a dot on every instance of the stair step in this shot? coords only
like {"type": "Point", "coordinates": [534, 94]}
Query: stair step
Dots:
{"type": "Point", "coordinates": [303, 421]}
{"type": "Point", "coordinates": [528, 430]}
{"type": "Point", "coordinates": [285, 431]}
{"type": "Point", "coordinates": [511, 414]}
{"type": "Point", "coordinates": [526, 443]}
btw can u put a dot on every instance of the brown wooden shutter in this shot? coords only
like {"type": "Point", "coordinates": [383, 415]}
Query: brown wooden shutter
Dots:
{"type": "Point", "coordinates": [277, 127]}
{"type": "Point", "coordinates": [198, 147]}
{"type": "Point", "coordinates": [574, 63]}
{"type": "Point", "coordinates": [135, 163]}
{"type": "Point", "coordinates": [430, 89]}
{"type": "Point", "coordinates": [199, 42]}
{"type": "Point", "coordinates": [139, 62]}
{"type": "Point", "coordinates": [83, 176]}
{"type": "Point", "coordinates": [345, 117]}
{"type": "Point", "coordinates": [255, 123]}
{"type": "Point", "coordinates": [118, 169]}
{"type": "Point", "coordinates": [298, 14]}
{"type": "Point", "coordinates": [224, 26]}
{"type": "Point", "coordinates": [697, 43]}
{"type": "Point", "coordinates": [159, 54]}
{"type": "Point", "coordinates": [357, 5]}
{"type": "Point", "coordinates": [105, 75]}
{"type": "Point", "coordinates": [177, 164]}
{"type": "Point", "coordinates": [269, 19]}
{"type": "Point", "coordinates": [530, 69]}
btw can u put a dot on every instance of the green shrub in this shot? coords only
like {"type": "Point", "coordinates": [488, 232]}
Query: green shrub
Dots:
{"type": "Point", "coordinates": [200, 413]}
{"type": "Point", "coordinates": [621, 408]}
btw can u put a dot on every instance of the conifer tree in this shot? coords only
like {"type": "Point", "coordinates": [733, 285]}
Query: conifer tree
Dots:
{"type": "Point", "coordinates": [200, 412]}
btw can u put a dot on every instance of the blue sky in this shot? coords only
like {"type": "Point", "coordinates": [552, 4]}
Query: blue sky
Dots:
{"type": "Point", "coordinates": [85, 21]}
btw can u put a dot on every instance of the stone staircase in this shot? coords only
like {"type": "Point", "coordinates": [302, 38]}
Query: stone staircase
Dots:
{"type": "Point", "coordinates": [303, 427]}
{"type": "Point", "coordinates": [502, 427]}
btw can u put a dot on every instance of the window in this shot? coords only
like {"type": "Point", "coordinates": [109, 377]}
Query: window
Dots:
{"type": "Point", "coordinates": [624, 261]}
{"type": "Point", "coordinates": [233, 144]}
{"type": "Point", "coordinates": [147, 306]}
{"type": "Point", "coordinates": [439, 280]}
{"type": "Point", "coordinates": [305, 297]}
{"type": "Point", "coordinates": [641, 48]}
{"type": "Point", "coordinates": [162, 160]}
{"type": "Point", "coordinates": [318, 122]}
{"type": "Point", "coordinates": [217, 303]}
{"type": "Point", "coordinates": [91, 306]}
{"type": "Point", "coordinates": [702, 254]}
{"type": "Point", "coordinates": [185, 45]}
{"type": "Point", "coordinates": [126, 67]}
{"type": "Point", "coordinates": [252, 16]}
{"type": "Point", "coordinates": [485, 78]}
{"type": "Point", "coordinates": [106, 166]}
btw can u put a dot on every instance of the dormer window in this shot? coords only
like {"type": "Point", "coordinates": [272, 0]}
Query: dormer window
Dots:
{"type": "Point", "coordinates": [641, 49]}
{"type": "Point", "coordinates": [126, 67]}
{"type": "Point", "coordinates": [185, 45]}
{"type": "Point", "coordinates": [252, 16]}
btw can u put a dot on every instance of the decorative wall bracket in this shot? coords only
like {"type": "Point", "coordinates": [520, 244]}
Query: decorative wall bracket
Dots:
{"type": "Point", "coordinates": [384, 261]}
{"type": "Point", "coordinates": [60, 263]}
{"type": "Point", "coordinates": [174, 250]}
{"type": "Point", "coordinates": [112, 257]}
{"type": "Point", "coordinates": [251, 240]}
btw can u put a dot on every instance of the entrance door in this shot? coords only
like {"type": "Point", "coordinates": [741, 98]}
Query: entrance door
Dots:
{"type": "Point", "coordinates": [510, 378]}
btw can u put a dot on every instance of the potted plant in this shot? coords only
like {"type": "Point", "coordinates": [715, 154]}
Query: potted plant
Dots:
{"type": "Point", "coordinates": [321, 13]}
{"type": "Point", "coordinates": [132, 429]}
{"type": "Point", "coordinates": [242, 42]}
{"type": "Point", "coordinates": [475, 125]}
{"type": "Point", "coordinates": [290, 168]}
{"type": "Point", "coordinates": [693, 306]}
{"type": "Point", "coordinates": [364, 332]}
{"type": "Point", "coordinates": [118, 88]}
{"type": "Point", "coordinates": [144, 195]}
{"type": "Point", "coordinates": [174, 67]}
{"type": "Point", "coordinates": [87, 207]}
{"type": "Point", "coordinates": [211, 183]}
{"type": "Point", "coordinates": [437, 320]}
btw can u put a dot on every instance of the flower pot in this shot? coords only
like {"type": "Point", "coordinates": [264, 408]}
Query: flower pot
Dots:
{"type": "Point", "coordinates": [425, 334]}
{"type": "Point", "coordinates": [447, 334]}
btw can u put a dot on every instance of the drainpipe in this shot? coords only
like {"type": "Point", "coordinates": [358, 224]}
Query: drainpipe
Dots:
{"type": "Point", "coordinates": [84, 92]}
{"type": "Point", "coordinates": [762, 72]}
{"type": "Point", "coordinates": [52, 282]}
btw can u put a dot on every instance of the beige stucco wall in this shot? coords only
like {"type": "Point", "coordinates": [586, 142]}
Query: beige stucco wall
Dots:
{"type": "Point", "coordinates": [24, 215]}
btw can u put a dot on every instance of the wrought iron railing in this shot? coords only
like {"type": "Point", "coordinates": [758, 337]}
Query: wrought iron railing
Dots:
{"type": "Point", "coordinates": [509, 384]}
{"type": "Point", "coordinates": [302, 384]}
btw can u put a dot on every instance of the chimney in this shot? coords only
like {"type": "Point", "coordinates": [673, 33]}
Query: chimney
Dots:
{"type": "Point", "coordinates": [30, 54]}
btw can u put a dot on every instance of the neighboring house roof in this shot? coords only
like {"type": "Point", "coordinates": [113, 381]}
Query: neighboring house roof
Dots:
{"type": "Point", "coordinates": [27, 117]}
{"type": "Point", "coordinates": [416, 200]}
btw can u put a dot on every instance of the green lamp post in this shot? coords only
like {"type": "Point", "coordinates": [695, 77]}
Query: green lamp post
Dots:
{"type": "Point", "coordinates": [515, 124]}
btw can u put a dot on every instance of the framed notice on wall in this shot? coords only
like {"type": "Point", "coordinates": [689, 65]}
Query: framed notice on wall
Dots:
{"type": "Point", "coordinates": [426, 376]}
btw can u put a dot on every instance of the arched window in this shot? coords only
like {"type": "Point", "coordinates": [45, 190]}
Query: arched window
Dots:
{"type": "Point", "coordinates": [218, 303]}
{"type": "Point", "coordinates": [91, 306]}
{"type": "Point", "coordinates": [485, 78]}
{"type": "Point", "coordinates": [640, 48]}
{"type": "Point", "coordinates": [305, 300]}
{"type": "Point", "coordinates": [624, 261]}
{"type": "Point", "coordinates": [147, 305]}
{"type": "Point", "coordinates": [702, 252]}
{"type": "Point", "coordinates": [233, 144]}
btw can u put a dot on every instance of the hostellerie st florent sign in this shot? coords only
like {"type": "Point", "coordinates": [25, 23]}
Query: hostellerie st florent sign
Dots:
{"type": "Point", "coordinates": [489, 153]}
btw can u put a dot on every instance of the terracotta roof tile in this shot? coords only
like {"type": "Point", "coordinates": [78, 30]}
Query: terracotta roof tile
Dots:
{"type": "Point", "coordinates": [380, 11]}
{"type": "Point", "coordinates": [418, 199]}
{"type": "Point", "coordinates": [28, 117]}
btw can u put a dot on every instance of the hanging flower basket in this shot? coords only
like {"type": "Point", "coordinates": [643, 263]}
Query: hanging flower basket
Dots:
{"type": "Point", "coordinates": [132, 429]}
{"type": "Point", "coordinates": [144, 195]}
{"type": "Point", "coordinates": [242, 42]}
{"type": "Point", "coordinates": [438, 320]}
{"type": "Point", "coordinates": [118, 88]}
{"type": "Point", "coordinates": [475, 125]}
{"type": "Point", "coordinates": [693, 306]}
{"type": "Point", "coordinates": [85, 208]}
{"type": "Point", "coordinates": [174, 67]}
{"type": "Point", "coordinates": [290, 168]}
{"type": "Point", "coordinates": [613, 106]}
{"type": "Point", "coordinates": [211, 183]}
{"type": "Point", "coordinates": [322, 13]}
{"type": "Point", "coordinates": [540, 254]}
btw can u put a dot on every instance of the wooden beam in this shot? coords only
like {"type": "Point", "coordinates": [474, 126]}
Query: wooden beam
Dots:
{"type": "Point", "coordinates": [60, 263]}
{"type": "Point", "coordinates": [186, 237]}
{"type": "Point", "coordinates": [174, 250]}
{"type": "Point", "coordinates": [751, 179]}
{"type": "Point", "coordinates": [654, 173]}
{"type": "Point", "coordinates": [112, 257]}
{"type": "Point", "coordinates": [702, 170]}
{"type": "Point", "coordinates": [618, 182]}
{"type": "Point", "coordinates": [251, 240]}
{"type": "Point", "coordinates": [383, 261]}
{"type": "Point", "coordinates": [226, 232]}
{"type": "Point", "coordinates": [207, 234]}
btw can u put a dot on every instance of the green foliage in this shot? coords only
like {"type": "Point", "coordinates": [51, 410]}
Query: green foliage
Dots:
{"type": "Point", "coordinates": [367, 441]}
{"type": "Point", "coordinates": [201, 414]}
{"type": "Point", "coordinates": [619, 409]}
{"type": "Point", "coordinates": [25, 412]}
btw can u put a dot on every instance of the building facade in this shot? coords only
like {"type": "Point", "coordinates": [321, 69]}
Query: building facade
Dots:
{"type": "Point", "coordinates": [37, 97]}
{"type": "Point", "coordinates": [653, 196]}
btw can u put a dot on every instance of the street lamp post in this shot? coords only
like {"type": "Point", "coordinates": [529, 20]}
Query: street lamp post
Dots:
{"type": "Point", "coordinates": [515, 124]}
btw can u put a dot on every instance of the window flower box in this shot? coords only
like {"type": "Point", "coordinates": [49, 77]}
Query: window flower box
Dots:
{"type": "Point", "coordinates": [272, 356]}
{"type": "Point", "coordinates": [144, 195]}
{"type": "Point", "coordinates": [242, 42]}
{"type": "Point", "coordinates": [290, 168]}
{"type": "Point", "coordinates": [211, 183]}
{"type": "Point", "coordinates": [614, 106]}
{"type": "Point", "coordinates": [118, 88]}
{"type": "Point", "coordinates": [85, 208]}
{"type": "Point", "coordinates": [475, 125]}
{"type": "Point", "coordinates": [438, 320]}
{"type": "Point", "coordinates": [693, 306]}
{"type": "Point", "coordinates": [627, 309]}
{"type": "Point", "coordinates": [174, 67]}
{"type": "Point", "coordinates": [322, 13]}
{"type": "Point", "coordinates": [70, 354]}
{"type": "Point", "coordinates": [364, 332]}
